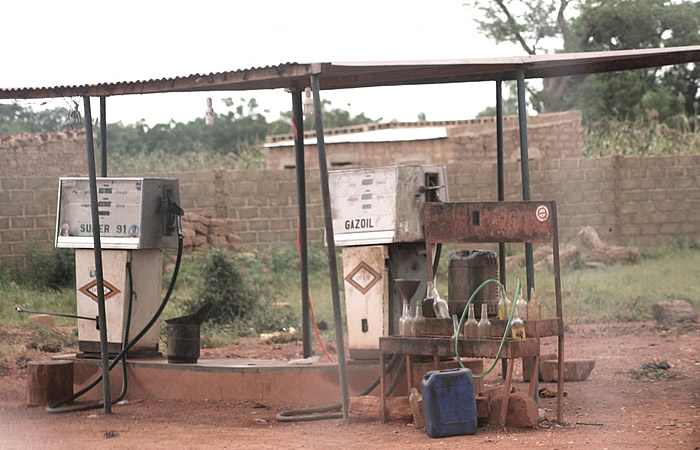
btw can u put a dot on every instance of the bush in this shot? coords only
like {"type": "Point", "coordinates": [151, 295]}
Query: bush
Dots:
{"type": "Point", "coordinates": [46, 269]}
{"type": "Point", "coordinates": [222, 285]}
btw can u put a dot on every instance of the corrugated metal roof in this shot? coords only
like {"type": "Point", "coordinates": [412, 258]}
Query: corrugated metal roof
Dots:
{"type": "Point", "coordinates": [386, 135]}
{"type": "Point", "coordinates": [340, 75]}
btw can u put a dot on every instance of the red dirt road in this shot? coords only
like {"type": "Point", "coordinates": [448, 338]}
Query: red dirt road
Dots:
{"type": "Point", "coordinates": [610, 410]}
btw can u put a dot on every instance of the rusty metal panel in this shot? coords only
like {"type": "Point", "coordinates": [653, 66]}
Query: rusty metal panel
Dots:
{"type": "Point", "coordinates": [489, 221]}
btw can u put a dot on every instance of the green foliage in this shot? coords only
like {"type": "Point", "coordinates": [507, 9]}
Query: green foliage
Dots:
{"type": "Point", "coordinates": [222, 284]}
{"type": "Point", "coordinates": [539, 26]}
{"type": "Point", "coordinates": [641, 138]}
{"type": "Point", "coordinates": [510, 101]}
{"type": "Point", "coordinates": [51, 269]}
{"type": "Point", "coordinates": [15, 119]}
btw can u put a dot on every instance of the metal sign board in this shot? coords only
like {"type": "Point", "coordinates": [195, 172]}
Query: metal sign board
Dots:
{"type": "Point", "coordinates": [90, 290]}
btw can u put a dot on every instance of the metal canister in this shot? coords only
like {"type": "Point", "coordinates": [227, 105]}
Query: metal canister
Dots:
{"type": "Point", "coordinates": [467, 269]}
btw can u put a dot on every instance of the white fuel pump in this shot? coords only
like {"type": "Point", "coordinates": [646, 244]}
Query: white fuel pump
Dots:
{"type": "Point", "coordinates": [378, 219]}
{"type": "Point", "coordinates": [135, 225]}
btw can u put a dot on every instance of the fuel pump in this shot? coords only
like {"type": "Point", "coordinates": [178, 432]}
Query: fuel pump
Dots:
{"type": "Point", "coordinates": [378, 220]}
{"type": "Point", "coordinates": [138, 218]}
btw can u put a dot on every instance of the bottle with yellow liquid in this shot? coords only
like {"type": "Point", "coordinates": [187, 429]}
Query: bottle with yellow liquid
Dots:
{"type": "Point", "coordinates": [517, 327]}
{"type": "Point", "coordinates": [503, 306]}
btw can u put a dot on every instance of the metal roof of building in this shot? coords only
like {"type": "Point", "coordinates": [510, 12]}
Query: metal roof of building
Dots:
{"type": "Point", "coordinates": [340, 75]}
{"type": "Point", "coordinates": [385, 135]}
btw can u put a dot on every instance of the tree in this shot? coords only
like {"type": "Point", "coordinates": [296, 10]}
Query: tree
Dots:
{"type": "Point", "coordinates": [15, 119]}
{"type": "Point", "coordinates": [332, 118]}
{"type": "Point", "coordinates": [590, 25]}
{"type": "Point", "coordinates": [510, 102]}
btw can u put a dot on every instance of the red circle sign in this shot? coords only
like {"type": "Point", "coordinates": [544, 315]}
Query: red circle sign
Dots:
{"type": "Point", "coordinates": [542, 213]}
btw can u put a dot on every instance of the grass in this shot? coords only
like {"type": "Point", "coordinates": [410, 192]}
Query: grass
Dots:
{"type": "Point", "coordinates": [621, 292]}
{"type": "Point", "coordinates": [612, 293]}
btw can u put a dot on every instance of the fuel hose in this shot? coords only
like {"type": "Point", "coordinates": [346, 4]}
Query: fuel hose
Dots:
{"type": "Point", "coordinates": [505, 333]}
{"type": "Point", "coordinates": [335, 411]}
{"type": "Point", "coordinates": [56, 407]}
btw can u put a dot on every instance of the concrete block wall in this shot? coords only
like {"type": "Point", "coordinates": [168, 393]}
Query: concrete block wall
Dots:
{"type": "Point", "coordinates": [42, 154]}
{"type": "Point", "coordinates": [628, 200]}
{"type": "Point", "coordinates": [27, 215]}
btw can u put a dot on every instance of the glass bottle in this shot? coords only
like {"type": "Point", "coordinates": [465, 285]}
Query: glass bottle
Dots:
{"type": "Point", "coordinates": [521, 307]}
{"type": "Point", "coordinates": [483, 329]}
{"type": "Point", "coordinates": [440, 307]}
{"type": "Point", "coordinates": [470, 327]}
{"type": "Point", "coordinates": [517, 327]}
{"type": "Point", "coordinates": [406, 320]}
{"type": "Point", "coordinates": [419, 321]}
{"type": "Point", "coordinates": [534, 309]}
{"type": "Point", "coordinates": [504, 305]}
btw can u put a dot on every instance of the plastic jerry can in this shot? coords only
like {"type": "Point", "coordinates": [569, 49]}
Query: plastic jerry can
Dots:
{"type": "Point", "coordinates": [449, 402]}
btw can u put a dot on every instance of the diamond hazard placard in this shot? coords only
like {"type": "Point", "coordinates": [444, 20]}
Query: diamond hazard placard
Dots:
{"type": "Point", "coordinates": [363, 277]}
{"type": "Point", "coordinates": [90, 290]}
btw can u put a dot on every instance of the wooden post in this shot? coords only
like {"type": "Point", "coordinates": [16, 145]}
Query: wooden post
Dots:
{"type": "Point", "coordinates": [48, 382]}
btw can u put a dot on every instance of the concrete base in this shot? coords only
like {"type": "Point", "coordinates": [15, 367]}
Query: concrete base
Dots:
{"type": "Point", "coordinates": [273, 383]}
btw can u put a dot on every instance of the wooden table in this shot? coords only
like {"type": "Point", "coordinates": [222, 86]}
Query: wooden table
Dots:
{"type": "Point", "coordinates": [441, 346]}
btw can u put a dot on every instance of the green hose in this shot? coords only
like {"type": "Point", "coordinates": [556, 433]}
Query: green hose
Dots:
{"type": "Point", "coordinates": [505, 334]}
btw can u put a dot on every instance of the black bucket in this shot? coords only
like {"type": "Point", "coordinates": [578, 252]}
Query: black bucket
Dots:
{"type": "Point", "coordinates": [183, 342]}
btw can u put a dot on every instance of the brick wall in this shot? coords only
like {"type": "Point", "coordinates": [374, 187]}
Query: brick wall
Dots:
{"type": "Point", "coordinates": [550, 136]}
{"type": "Point", "coordinates": [43, 154]}
{"type": "Point", "coordinates": [636, 200]}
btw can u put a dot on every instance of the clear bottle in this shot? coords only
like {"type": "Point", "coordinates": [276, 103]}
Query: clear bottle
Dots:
{"type": "Point", "coordinates": [406, 320]}
{"type": "Point", "coordinates": [521, 307]}
{"type": "Point", "coordinates": [419, 321]}
{"type": "Point", "coordinates": [534, 309]}
{"type": "Point", "coordinates": [470, 327]}
{"type": "Point", "coordinates": [517, 327]}
{"type": "Point", "coordinates": [483, 329]}
{"type": "Point", "coordinates": [415, 409]}
{"type": "Point", "coordinates": [440, 307]}
{"type": "Point", "coordinates": [504, 305]}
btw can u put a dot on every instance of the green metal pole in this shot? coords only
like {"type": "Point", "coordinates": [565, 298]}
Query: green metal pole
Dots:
{"type": "Point", "coordinates": [332, 264]}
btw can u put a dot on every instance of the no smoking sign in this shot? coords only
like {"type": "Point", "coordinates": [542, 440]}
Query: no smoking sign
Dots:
{"type": "Point", "coordinates": [542, 213]}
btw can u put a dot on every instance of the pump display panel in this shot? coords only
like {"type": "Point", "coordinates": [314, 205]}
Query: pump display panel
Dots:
{"type": "Point", "coordinates": [132, 213]}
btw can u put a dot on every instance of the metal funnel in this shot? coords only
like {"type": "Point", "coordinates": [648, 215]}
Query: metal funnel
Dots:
{"type": "Point", "coordinates": [406, 287]}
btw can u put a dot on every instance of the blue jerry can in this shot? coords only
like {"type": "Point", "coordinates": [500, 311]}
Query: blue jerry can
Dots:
{"type": "Point", "coordinates": [449, 402]}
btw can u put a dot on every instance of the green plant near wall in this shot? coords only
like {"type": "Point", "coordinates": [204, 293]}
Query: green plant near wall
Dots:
{"type": "Point", "coordinates": [51, 269]}
{"type": "Point", "coordinates": [222, 284]}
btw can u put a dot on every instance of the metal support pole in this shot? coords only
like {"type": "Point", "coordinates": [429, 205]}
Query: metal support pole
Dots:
{"type": "Point", "coordinates": [501, 176]}
{"type": "Point", "coordinates": [106, 393]}
{"type": "Point", "coordinates": [332, 265]}
{"type": "Point", "coordinates": [525, 173]}
{"type": "Point", "coordinates": [501, 193]}
{"type": "Point", "coordinates": [103, 136]}
{"type": "Point", "coordinates": [298, 125]}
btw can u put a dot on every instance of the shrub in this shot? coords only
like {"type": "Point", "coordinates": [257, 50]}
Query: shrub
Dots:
{"type": "Point", "coordinates": [46, 269]}
{"type": "Point", "coordinates": [223, 285]}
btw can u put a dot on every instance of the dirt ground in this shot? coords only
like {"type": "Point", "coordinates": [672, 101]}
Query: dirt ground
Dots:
{"type": "Point", "coordinates": [609, 410]}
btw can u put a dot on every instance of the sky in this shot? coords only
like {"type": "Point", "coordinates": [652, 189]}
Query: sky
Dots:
{"type": "Point", "coordinates": [50, 43]}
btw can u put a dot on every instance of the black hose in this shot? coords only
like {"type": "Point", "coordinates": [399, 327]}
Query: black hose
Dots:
{"type": "Point", "coordinates": [311, 414]}
{"type": "Point", "coordinates": [55, 407]}
{"type": "Point", "coordinates": [436, 261]}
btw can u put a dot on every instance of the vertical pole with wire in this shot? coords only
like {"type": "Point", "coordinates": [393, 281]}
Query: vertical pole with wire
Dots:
{"type": "Point", "coordinates": [332, 264]}
{"type": "Point", "coordinates": [102, 318]}
{"type": "Point", "coordinates": [525, 174]}
{"type": "Point", "coordinates": [298, 128]}
{"type": "Point", "coordinates": [103, 136]}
